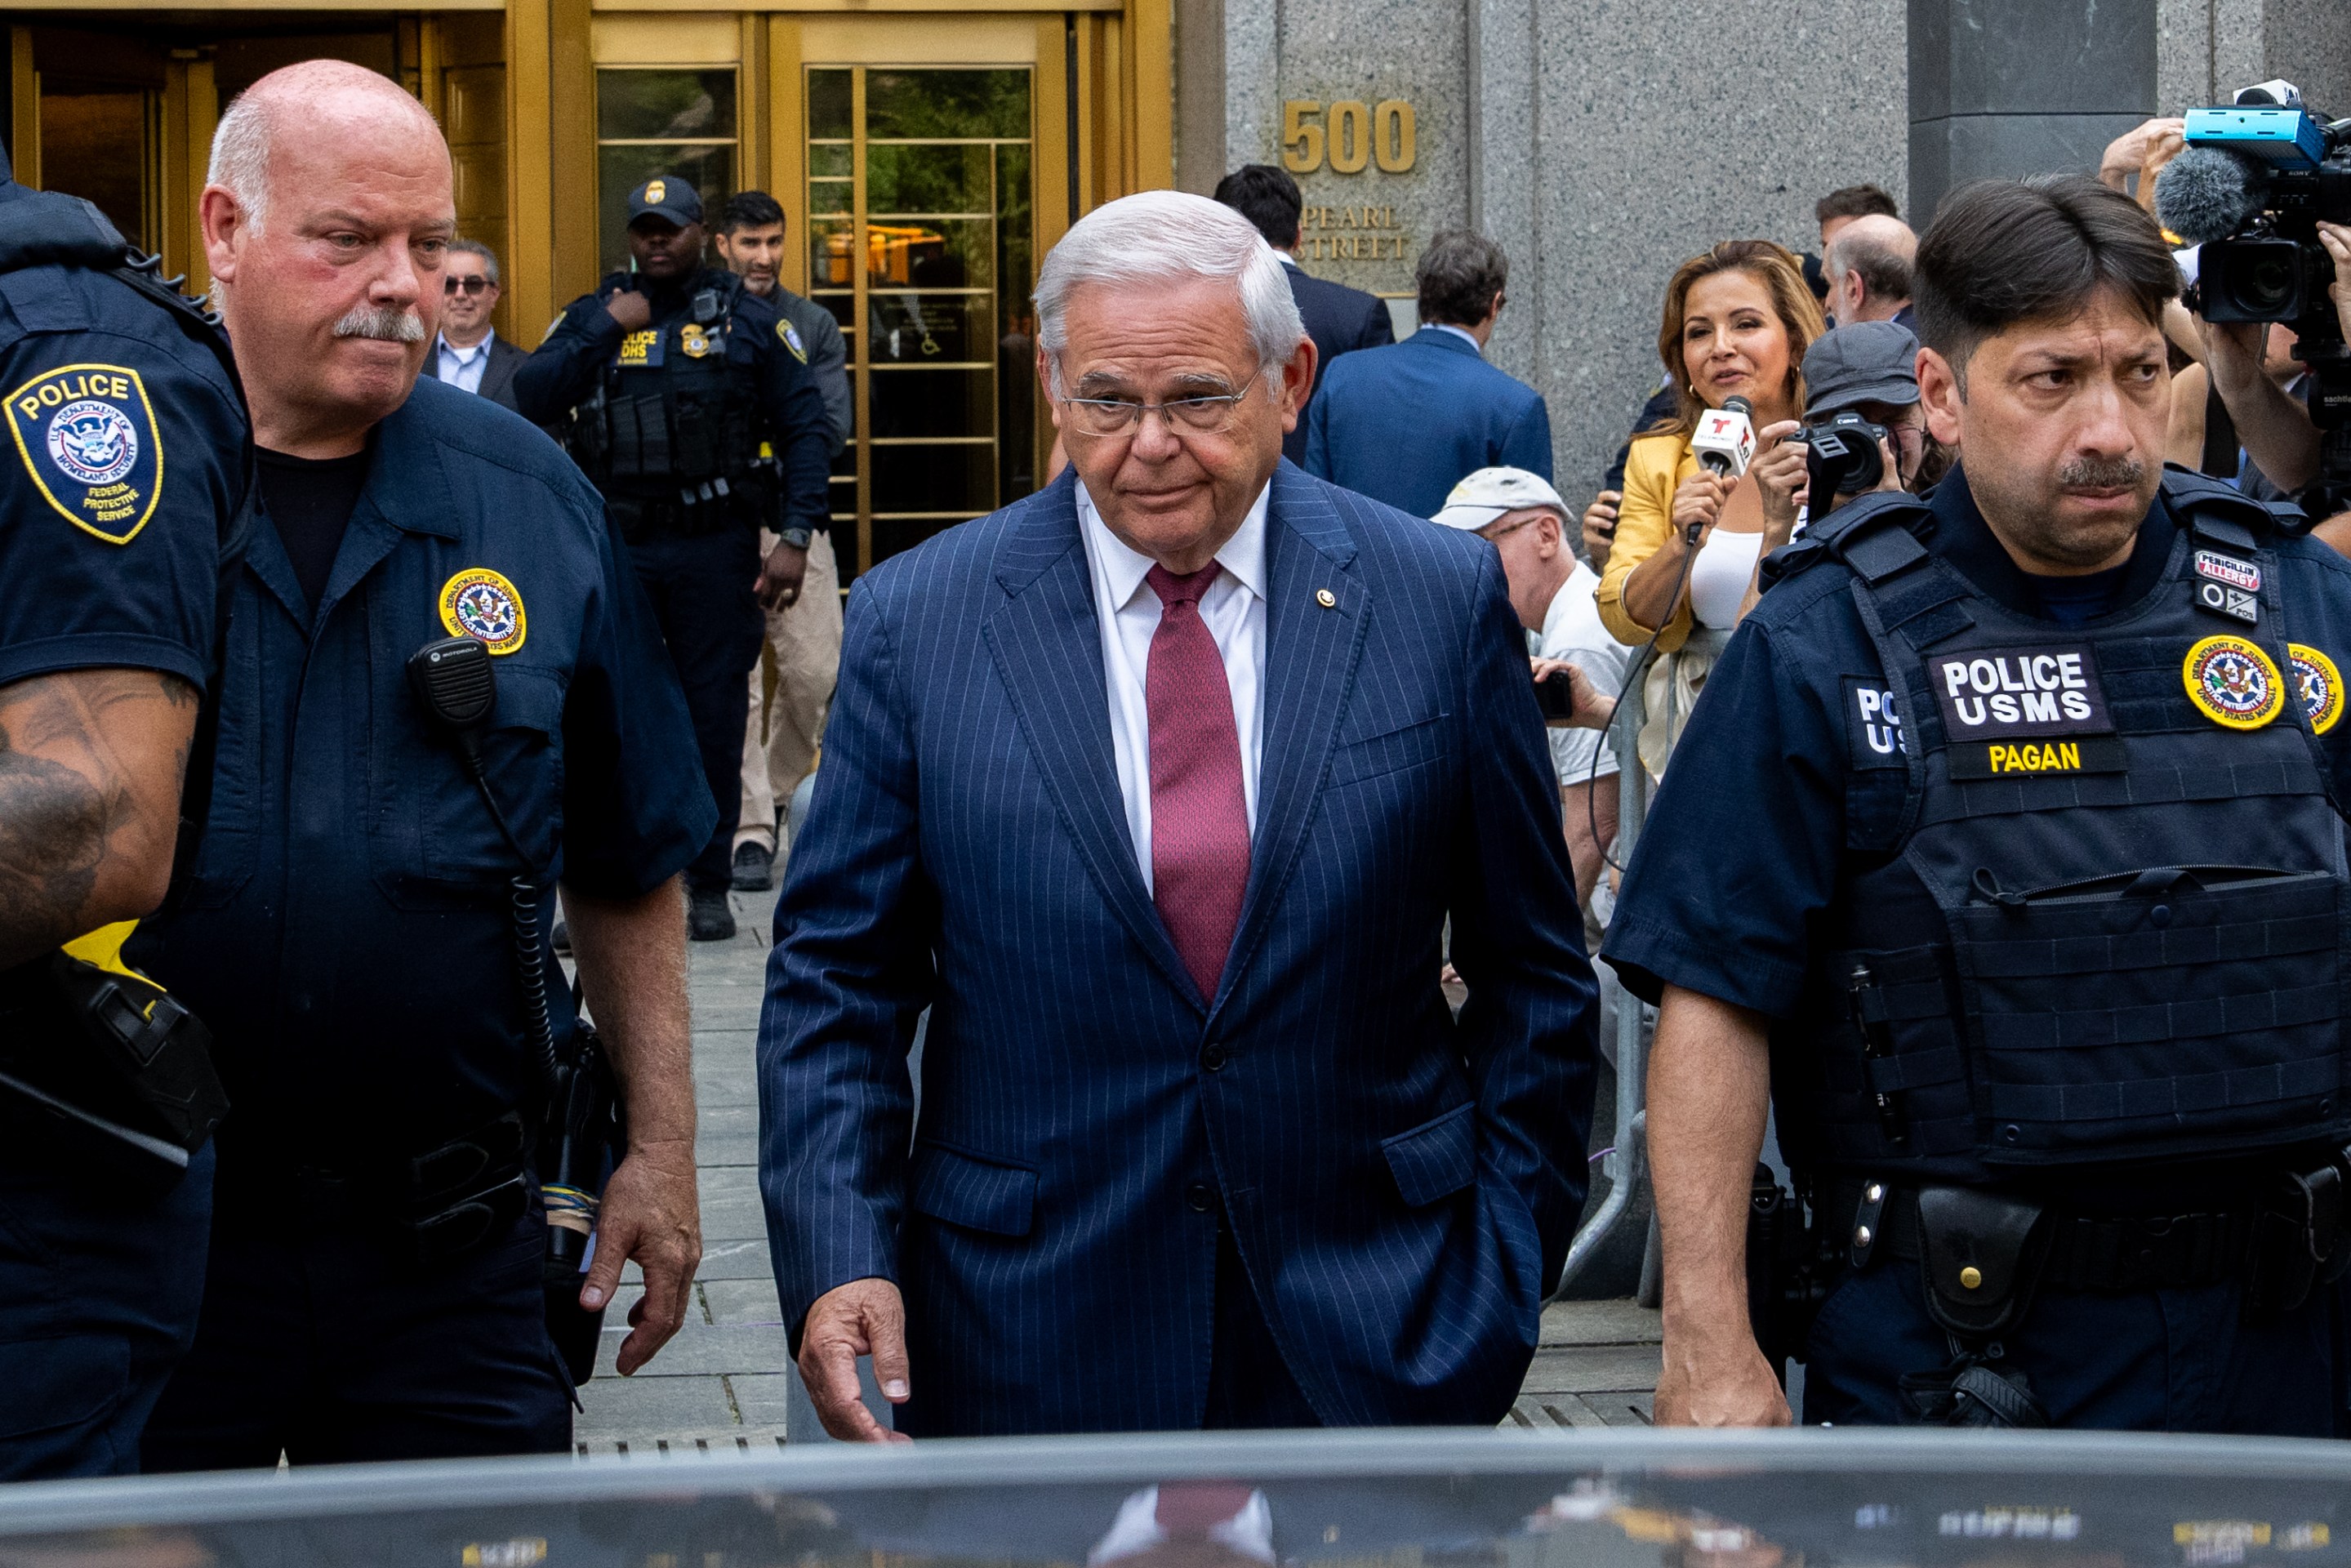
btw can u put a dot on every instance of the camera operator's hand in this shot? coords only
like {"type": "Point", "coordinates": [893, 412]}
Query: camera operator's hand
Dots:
{"type": "Point", "coordinates": [1698, 500]}
{"type": "Point", "coordinates": [2337, 238]}
{"type": "Point", "coordinates": [2232, 354]}
{"type": "Point", "coordinates": [2127, 154]}
{"type": "Point", "coordinates": [2273, 425]}
{"type": "Point", "coordinates": [1779, 471]}
{"type": "Point", "coordinates": [1587, 709]}
{"type": "Point", "coordinates": [1600, 528]}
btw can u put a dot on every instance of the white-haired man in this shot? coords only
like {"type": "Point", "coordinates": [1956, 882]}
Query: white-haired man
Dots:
{"type": "Point", "coordinates": [348, 929]}
{"type": "Point", "coordinates": [1157, 788]}
{"type": "Point", "coordinates": [1868, 265]}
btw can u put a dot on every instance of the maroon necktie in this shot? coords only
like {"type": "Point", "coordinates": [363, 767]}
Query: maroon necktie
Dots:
{"type": "Point", "coordinates": [1200, 819]}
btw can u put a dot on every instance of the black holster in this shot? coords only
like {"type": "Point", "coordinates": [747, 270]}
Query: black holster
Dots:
{"type": "Point", "coordinates": [2301, 1238]}
{"type": "Point", "coordinates": [1786, 1279]}
{"type": "Point", "coordinates": [1980, 1257]}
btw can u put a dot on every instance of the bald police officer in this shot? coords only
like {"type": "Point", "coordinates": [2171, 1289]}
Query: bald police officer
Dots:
{"type": "Point", "coordinates": [691, 405]}
{"type": "Point", "coordinates": [120, 521]}
{"type": "Point", "coordinates": [2004, 848]}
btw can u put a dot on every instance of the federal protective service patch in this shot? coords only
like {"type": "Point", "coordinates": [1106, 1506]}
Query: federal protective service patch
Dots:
{"type": "Point", "coordinates": [2233, 683]}
{"type": "Point", "coordinates": [792, 337]}
{"type": "Point", "coordinates": [2318, 684]}
{"type": "Point", "coordinates": [87, 436]}
{"type": "Point", "coordinates": [477, 603]}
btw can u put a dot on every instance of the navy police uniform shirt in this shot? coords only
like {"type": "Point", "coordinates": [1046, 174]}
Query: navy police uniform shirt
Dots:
{"type": "Point", "coordinates": [585, 341]}
{"type": "Point", "coordinates": [345, 933]}
{"type": "Point", "coordinates": [1790, 751]}
{"type": "Point", "coordinates": [125, 452]}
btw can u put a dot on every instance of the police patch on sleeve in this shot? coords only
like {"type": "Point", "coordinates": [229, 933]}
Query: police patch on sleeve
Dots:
{"type": "Point", "coordinates": [2233, 683]}
{"type": "Point", "coordinates": [1873, 726]}
{"type": "Point", "coordinates": [790, 335]}
{"type": "Point", "coordinates": [87, 436]}
{"type": "Point", "coordinates": [2318, 684]}
{"type": "Point", "coordinates": [477, 603]}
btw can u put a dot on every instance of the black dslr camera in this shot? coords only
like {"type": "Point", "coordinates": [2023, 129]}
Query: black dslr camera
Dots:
{"type": "Point", "coordinates": [1841, 458]}
{"type": "Point", "coordinates": [2258, 178]}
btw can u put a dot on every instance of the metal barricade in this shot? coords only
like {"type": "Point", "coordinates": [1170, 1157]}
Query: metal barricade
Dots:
{"type": "Point", "coordinates": [1623, 1164]}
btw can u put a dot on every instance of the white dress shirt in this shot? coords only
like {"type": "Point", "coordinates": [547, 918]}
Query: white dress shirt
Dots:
{"type": "Point", "coordinates": [1464, 333]}
{"type": "Point", "coordinates": [462, 368]}
{"type": "Point", "coordinates": [1233, 609]}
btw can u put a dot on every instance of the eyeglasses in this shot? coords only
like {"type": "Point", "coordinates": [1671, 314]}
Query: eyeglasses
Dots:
{"type": "Point", "coordinates": [1116, 416]}
{"type": "Point", "coordinates": [1495, 538]}
{"type": "Point", "coordinates": [475, 284]}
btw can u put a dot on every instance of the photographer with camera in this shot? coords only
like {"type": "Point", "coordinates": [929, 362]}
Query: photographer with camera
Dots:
{"type": "Point", "coordinates": [2272, 422]}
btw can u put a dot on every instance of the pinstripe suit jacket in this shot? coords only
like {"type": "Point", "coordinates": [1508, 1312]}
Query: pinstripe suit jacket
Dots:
{"type": "Point", "coordinates": [1401, 1184]}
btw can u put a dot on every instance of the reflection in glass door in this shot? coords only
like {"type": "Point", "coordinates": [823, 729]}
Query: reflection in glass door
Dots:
{"type": "Point", "coordinates": [919, 230]}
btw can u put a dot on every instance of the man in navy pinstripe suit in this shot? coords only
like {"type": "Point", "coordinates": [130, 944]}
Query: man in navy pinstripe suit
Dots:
{"type": "Point", "coordinates": [1157, 790]}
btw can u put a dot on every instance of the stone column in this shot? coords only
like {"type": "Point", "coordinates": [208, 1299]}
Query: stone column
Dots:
{"type": "Point", "coordinates": [2008, 87]}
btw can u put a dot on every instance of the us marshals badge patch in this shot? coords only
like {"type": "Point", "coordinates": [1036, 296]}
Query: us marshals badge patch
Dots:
{"type": "Point", "coordinates": [477, 603]}
{"type": "Point", "coordinates": [2233, 683]}
{"type": "Point", "coordinates": [2318, 684]}
{"type": "Point", "coordinates": [87, 436]}
{"type": "Point", "coordinates": [790, 335]}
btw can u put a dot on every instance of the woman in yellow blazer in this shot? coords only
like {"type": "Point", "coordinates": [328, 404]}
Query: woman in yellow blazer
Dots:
{"type": "Point", "coordinates": [1736, 322]}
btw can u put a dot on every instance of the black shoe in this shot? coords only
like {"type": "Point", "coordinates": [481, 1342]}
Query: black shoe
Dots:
{"type": "Point", "coordinates": [708, 918]}
{"type": "Point", "coordinates": [755, 868]}
{"type": "Point", "coordinates": [560, 940]}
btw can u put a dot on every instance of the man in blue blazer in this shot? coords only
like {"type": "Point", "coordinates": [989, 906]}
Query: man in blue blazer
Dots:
{"type": "Point", "coordinates": [1405, 423]}
{"type": "Point", "coordinates": [1157, 788]}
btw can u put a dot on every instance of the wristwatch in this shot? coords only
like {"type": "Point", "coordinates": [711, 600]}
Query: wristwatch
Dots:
{"type": "Point", "coordinates": [798, 538]}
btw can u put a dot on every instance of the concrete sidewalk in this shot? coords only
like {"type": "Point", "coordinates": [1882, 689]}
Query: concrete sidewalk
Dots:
{"type": "Point", "coordinates": [722, 1383]}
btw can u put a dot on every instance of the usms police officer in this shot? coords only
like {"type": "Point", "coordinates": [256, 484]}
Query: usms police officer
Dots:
{"type": "Point", "coordinates": [374, 1288]}
{"type": "Point", "coordinates": [2004, 847]}
{"type": "Point", "coordinates": [127, 459]}
{"type": "Point", "coordinates": [691, 406]}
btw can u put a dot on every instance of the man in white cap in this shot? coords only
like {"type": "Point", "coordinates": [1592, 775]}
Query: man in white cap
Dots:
{"type": "Point", "coordinates": [1526, 521]}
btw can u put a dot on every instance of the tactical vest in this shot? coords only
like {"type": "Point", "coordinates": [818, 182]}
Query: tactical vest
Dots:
{"type": "Point", "coordinates": [672, 415]}
{"type": "Point", "coordinates": [2102, 914]}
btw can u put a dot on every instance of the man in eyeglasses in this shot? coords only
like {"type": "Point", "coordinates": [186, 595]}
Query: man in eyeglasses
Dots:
{"type": "Point", "coordinates": [469, 354]}
{"type": "Point", "coordinates": [1157, 790]}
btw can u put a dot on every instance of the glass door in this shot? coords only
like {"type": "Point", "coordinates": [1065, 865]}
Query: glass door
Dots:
{"type": "Point", "coordinates": [921, 245]}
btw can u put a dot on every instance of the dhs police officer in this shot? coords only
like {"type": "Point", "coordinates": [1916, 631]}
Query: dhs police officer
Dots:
{"type": "Point", "coordinates": [117, 527]}
{"type": "Point", "coordinates": [693, 409]}
{"type": "Point", "coordinates": [359, 929]}
{"type": "Point", "coordinates": [2004, 847]}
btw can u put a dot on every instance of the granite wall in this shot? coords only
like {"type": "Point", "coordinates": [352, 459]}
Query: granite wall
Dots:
{"type": "Point", "coordinates": [1603, 141]}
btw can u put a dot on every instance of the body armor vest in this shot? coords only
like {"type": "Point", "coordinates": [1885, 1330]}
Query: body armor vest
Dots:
{"type": "Point", "coordinates": [672, 415]}
{"type": "Point", "coordinates": [2103, 917]}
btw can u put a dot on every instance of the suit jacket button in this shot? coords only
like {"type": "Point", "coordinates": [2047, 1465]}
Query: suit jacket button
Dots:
{"type": "Point", "coordinates": [1201, 1197]}
{"type": "Point", "coordinates": [1214, 1059]}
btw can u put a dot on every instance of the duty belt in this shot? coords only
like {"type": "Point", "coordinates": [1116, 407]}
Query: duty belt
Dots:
{"type": "Point", "coordinates": [710, 507]}
{"type": "Point", "coordinates": [444, 1202]}
{"type": "Point", "coordinates": [2086, 1252]}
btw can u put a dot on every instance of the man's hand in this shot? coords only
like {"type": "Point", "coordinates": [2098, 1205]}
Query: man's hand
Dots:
{"type": "Point", "coordinates": [1588, 708]}
{"type": "Point", "coordinates": [1718, 1382]}
{"type": "Point", "coordinates": [650, 1213]}
{"type": "Point", "coordinates": [864, 1317]}
{"type": "Point", "coordinates": [632, 309]}
{"type": "Point", "coordinates": [2127, 154]}
{"type": "Point", "coordinates": [780, 577]}
{"type": "Point", "coordinates": [1779, 476]}
{"type": "Point", "coordinates": [1600, 527]}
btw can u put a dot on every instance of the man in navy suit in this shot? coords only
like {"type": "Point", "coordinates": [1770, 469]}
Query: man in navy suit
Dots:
{"type": "Point", "coordinates": [1339, 319]}
{"type": "Point", "coordinates": [1157, 788]}
{"type": "Point", "coordinates": [1404, 424]}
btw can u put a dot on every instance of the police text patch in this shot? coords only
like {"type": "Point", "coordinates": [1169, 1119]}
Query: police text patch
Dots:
{"type": "Point", "coordinates": [1873, 726]}
{"type": "Point", "coordinates": [2019, 693]}
{"type": "Point", "coordinates": [639, 350]}
{"type": "Point", "coordinates": [87, 436]}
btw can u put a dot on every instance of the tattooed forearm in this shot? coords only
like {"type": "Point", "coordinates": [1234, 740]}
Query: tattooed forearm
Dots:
{"type": "Point", "coordinates": [90, 766]}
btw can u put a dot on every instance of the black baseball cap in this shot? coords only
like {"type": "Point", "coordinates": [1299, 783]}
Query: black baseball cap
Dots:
{"type": "Point", "coordinates": [1869, 362]}
{"type": "Point", "coordinates": [666, 196]}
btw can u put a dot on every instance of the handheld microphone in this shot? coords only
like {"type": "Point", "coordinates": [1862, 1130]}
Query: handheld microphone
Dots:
{"type": "Point", "coordinates": [2207, 194]}
{"type": "Point", "coordinates": [1724, 440]}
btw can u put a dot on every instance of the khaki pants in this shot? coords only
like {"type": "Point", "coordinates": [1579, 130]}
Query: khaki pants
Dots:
{"type": "Point", "coordinates": [779, 745]}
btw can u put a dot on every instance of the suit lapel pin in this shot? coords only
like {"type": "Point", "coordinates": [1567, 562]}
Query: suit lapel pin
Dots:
{"type": "Point", "coordinates": [1326, 599]}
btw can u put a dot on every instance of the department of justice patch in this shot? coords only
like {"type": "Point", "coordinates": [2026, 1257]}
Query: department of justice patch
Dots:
{"type": "Point", "coordinates": [87, 436]}
{"type": "Point", "coordinates": [477, 603]}
{"type": "Point", "coordinates": [2233, 683]}
{"type": "Point", "coordinates": [790, 335]}
{"type": "Point", "coordinates": [2318, 684]}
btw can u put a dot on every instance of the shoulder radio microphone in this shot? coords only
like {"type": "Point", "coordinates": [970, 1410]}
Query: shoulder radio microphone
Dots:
{"type": "Point", "coordinates": [1724, 440]}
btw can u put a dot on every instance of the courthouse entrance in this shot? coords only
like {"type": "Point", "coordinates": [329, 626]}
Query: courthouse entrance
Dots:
{"type": "Point", "coordinates": [925, 160]}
